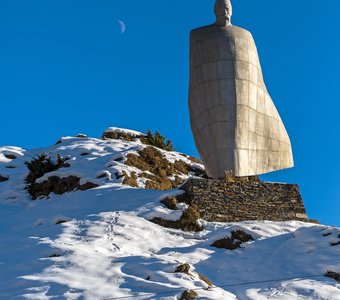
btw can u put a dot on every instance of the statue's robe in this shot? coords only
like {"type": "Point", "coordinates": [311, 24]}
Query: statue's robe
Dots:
{"type": "Point", "coordinates": [235, 124]}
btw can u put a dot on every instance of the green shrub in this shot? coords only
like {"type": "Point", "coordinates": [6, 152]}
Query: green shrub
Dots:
{"type": "Point", "coordinates": [43, 164]}
{"type": "Point", "coordinates": [157, 140]}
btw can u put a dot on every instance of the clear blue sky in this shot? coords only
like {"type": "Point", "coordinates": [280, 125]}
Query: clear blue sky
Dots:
{"type": "Point", "coordinates": [65, 68]}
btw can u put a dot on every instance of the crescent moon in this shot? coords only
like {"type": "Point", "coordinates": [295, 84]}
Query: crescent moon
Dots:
{"type": "Point", "coordinates": [122, 26]}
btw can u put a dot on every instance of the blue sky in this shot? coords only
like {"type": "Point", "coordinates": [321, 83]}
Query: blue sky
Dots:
{"type": "Point", "coordinates": [66, 68]}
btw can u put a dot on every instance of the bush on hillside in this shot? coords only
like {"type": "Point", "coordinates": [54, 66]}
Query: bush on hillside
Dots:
{"type": "Point", "coordinates": [187, 222]}
{"type": "Point", "coordinates": [158, 170]}
{"type": "Point", "coordinates": [119, 135]}
{"type": "Point", "coordinates": [43, 164]}
{"type": "Point", "coordinates": [157, 140]}
{"type": "Point", "coordinates": [130, 180]}
{"type": "Point", "coordinates": [58, 186]}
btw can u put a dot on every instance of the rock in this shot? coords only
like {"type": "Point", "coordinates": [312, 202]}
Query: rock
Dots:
{"type": "Point", "coordinates": [104, 174]}
{"type": "Point", "coordinates": [187, 222]}
{"type": "Point", "coordinates": [242, 236]}
{"type": "Point", "coordinates": [205, 279]}
{"type": "Point", "coordinates": [3, 178]}
{"type": "Point", "coordinates": [189, 295]}
{"type": "Point", "coordinates": [237, 239]}
{"type": "Point", "coordinates": [183, 268]}
{"type": "Point", "coordinates": [57, 185]}
{"type": "Point", "coordinates": [170, 203]}
{"type": "Point", "coordinates": [10, 156]}
{"type": "Point", "coordinates": [335, 244]}
{"type": "Point", "coordinates": [54, 255]}
{"type": "Point", "coordinates": [61, 221]}
{"type": "Point", "coordinates": [226, 243]}
{"type": "Point", "coordinates": [333, 275]}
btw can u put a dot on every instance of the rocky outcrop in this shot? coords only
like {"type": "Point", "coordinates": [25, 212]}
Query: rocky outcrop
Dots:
{"type": "Point", "coordinates": [187, 222]}
{"type": "Point", "coordinates": [333, 275]}
{"type": "Point", "coordinates": [189, 295]}
{"type": "Point", "coordinates": [57, 185]}
{"type": "Point", "coordinates": [235, 241]}
{"type": "Point", "coordinates": [3, 178]}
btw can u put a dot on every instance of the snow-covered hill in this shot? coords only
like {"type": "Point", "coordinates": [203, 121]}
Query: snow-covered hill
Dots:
{"type": "Point", "coordinates": [95, 241]}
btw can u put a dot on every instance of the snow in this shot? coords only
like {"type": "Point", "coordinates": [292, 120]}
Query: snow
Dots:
{"type": "Point", "coordinates": [99, 244]}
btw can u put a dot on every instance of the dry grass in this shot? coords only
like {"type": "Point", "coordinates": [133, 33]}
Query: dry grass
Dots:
{"type": "Point", "coordinates": [130, 180]}
{"type": "Point", "coordinates": [187, 222]}
{"type": "Point", "coordinates": [183, 268]}
{"type": "Point", "coordinates": [189, 295]}
{"type": "Point", "coordinates": [157, 169]}
{"type": "Point", "coordinates": [205, 279]}
{"type": "Point", "coordinates": [170, 203]}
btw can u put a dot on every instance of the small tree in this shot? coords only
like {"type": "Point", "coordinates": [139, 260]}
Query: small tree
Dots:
{"type": "Point", "coordinates": [157, 140]}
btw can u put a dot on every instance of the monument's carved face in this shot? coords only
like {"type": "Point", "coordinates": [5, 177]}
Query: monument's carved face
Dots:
{"type": "Point", "coordinates": [223, 12]}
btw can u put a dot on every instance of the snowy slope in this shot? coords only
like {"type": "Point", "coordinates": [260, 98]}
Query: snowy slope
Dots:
{"type": "Point", "coordinates": [99, 244]}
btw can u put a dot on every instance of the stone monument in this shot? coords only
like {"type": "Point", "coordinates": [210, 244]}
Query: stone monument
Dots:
{"type": "Point", "coordinates": [235, 124]}
{"type": "Point", "coordinates": [237, 129]}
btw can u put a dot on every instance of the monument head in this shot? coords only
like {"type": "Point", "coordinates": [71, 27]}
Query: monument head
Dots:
{"type": "Point", "coordinates": [223, 12]}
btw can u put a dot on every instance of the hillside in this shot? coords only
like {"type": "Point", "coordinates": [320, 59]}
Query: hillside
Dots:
{"type": "Point", "coordinates": [75, 223]}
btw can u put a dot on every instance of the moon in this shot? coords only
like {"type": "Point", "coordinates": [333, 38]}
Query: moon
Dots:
{"type": "Point", "coordinates": [122, 26]}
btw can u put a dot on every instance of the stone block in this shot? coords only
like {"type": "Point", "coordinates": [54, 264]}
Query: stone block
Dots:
{"type": "Point", "coordinates": [209, 71]}
{"type": "Point", "coordinates": [252, 120]}
{"type": "Point", "coordinates": [242, 70]}
{"type": "Point", "coordinates": [252, 95]}
{"type": "Point", "coordinates": [242, 91]}
{"type": "Point", "coordinates": [226, 91]}
{"type": "Point", "coordinates": [242, 49]}
{"type": "Point", "coordinates": [244, 199]}
{"type": "Point", "coordinates": [253, 73]}
{"type": "Point", "coordinates": [225, 69]}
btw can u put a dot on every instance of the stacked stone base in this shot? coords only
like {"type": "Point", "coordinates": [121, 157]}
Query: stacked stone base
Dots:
{"type": "Point", "coordinates": [244, 199]}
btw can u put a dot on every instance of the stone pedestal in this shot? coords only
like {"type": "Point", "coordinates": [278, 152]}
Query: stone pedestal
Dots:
{"type": "Point", "coordinates": [245, 199]}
